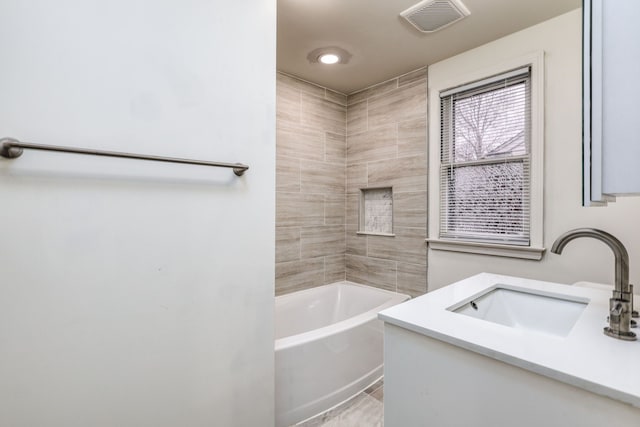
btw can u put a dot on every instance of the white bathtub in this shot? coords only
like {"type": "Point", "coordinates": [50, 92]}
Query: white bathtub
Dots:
{"type": "Point", "coordinates": [328, 347]}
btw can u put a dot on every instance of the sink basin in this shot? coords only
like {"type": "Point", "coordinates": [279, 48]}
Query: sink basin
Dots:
{"type": "Point", "coordinates": [552, 314]}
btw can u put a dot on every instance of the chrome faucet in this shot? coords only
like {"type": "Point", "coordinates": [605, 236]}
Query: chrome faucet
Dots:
{"type": "Point", "coordinates": [621, 303]}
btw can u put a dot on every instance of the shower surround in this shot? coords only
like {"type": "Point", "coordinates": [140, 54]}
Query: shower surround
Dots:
{"type": "Point", "coordinates": [329, 147]}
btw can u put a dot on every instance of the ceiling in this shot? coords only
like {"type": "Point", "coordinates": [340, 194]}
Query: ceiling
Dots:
{"type": "Point", "coordinates": [383, 44]}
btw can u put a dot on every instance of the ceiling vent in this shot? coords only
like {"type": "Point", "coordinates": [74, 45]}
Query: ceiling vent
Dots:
{"type": "Point", "coordinates": [432, 15]}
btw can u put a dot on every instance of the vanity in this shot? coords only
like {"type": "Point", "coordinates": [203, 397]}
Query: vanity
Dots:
{"type": "Point", "coordinates": [493, 351]}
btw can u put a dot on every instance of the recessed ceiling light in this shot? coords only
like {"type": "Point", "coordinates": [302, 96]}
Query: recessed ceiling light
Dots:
{"type": "Point", "coordinates": [329, 55]}
{"type": "Point", "coordinates": [329, 58]}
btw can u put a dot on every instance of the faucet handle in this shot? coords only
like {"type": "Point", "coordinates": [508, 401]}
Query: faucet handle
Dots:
{"type": "Point", "coordinates": [620, 320]}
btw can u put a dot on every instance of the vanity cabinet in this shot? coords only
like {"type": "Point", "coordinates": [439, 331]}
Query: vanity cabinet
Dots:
{"type": "Point", "coordinates": [429, 382]}
{"type": "Point", "coordinates": [446, 367]}
{"type": "Point", "coordinates": [611, 99]}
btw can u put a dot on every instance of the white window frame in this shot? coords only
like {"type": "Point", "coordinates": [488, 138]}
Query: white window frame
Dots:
{"type": "Point", "coordinates": [535, 249]}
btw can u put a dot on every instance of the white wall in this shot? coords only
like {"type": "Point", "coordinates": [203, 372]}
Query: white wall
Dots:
{"type": "Point", "coordinates": [136, 293]}
{"type": "Point", "coordinates": [583, 259]}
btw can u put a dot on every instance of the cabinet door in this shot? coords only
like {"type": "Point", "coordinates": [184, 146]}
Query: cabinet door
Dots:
{"type": "Point", "coordinates": [611, 101]}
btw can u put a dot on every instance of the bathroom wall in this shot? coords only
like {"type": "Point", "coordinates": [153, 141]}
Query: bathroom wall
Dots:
{"type": "Point", "coordinates": [137, 293]}
{"type": "Point", "coordinates": [583, 259]}
{"type": "Point", "coordinates": [326, 153]}
{"type": "Point", "coordinates": [310, 185]}
{"type": "Point", "coordinates": [386, 147]}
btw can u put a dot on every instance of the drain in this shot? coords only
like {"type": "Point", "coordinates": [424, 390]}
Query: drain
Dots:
{"type": "Point", "coordinates": [473, 305]}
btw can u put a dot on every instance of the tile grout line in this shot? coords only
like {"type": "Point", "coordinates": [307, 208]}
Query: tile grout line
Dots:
{"type": "Point", "coordinates": [367, 114]}
{"type": "Point", "coordinates": [344, 198]}
{"type": "Point", "coordinates": [396, 276]}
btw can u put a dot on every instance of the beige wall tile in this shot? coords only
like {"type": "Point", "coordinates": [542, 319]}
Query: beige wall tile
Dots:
{"type": "Point", "coordinates": [385, 247]}
{"type": "Point", "coordinates": [411, 245]}
{"type": "Point", "coordinates": [322, 241]}
{"type": "Point", "coordinates": [321, 177]}
{"type": "Point", "coordinates": [301, 85]}
{"type": "Point", "coordinates": [288, 104]}
{"type": "Point", "coordinates": [297, 209]}
{"type": "Point", "coordinates": [334, 268]}
{"type": "Point", "coordinates": [335, 148]}
{"type": "Point", "coordinates": [287, 244]}
{"type": "Point", "coordinates": [418, 233]}
{"type": "Point", "coordinates": [412, 137]}
{"type": "Point", "coordinates": [401, 104]}
{"type": "Point", "coordinates": [337, 97]}
{"type": "Point", "coordinates": [299, 142]}
{"type": "Point", "coordinates": [357, 118]}
{"type": "Point", "coordinates": [318, 113]}
{"type": "Point", "coordinates": [356, 177]}
{"type": "Point", "coordinates": [412, 77]}
{"type": "Point", "coordinates": [375, 90]}
{"type": "Point", "coordinates": [287, 174]}
{"type": "Point", "coordinates": [406, 174]}
{"type": "Point", "coordinates": [353, 208]}
{"type": "Point", "coordinates": [412, 279]}
{"type": "Point", "coordinates": [376, 144]}
{"type": "Point", "coordinates": [380, 273]}
{"type": "Point", "coordinates": [297, 275]}
{"type": "Point", "coordinates": [408, 245]}
{"type": "Point", "coordinates": [410, 209]}
{"type": "Point", "coordinates": [334, 209]}
{"type": "Point", "coordinates": [357, 269]}
{"type": "Point", "coordinates": [356, 243]}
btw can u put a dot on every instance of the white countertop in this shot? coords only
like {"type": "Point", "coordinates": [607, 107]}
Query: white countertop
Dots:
{"type": "Point", "coordinates": [586, 358]}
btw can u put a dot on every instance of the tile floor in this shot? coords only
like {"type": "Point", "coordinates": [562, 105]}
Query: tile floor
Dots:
{"type": "Point", "coordinates": [363, 410]}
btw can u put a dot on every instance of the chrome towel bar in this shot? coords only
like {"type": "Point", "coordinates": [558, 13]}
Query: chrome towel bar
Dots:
{"type": "Point", "coordinates": [11, 148]}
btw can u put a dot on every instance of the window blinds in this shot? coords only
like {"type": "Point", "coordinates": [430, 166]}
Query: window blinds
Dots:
{"type": "Point", "coordinates": [485, 160]}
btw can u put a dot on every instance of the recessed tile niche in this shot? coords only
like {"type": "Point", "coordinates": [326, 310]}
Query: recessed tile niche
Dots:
{"type": "Point", "coordinates": [376, 211]}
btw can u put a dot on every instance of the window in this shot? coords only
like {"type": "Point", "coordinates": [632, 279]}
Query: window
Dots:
{"type": "Point", "coordinates": [485, 160]}
{"type": "Point", "coordinates": [485, 167]}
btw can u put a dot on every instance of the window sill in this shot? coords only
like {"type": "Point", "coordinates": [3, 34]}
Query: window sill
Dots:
{"type": "Point", "coordinates": [523, 252]}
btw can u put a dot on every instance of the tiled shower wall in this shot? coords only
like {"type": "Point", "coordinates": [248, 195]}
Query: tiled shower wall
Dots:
{"type": "Point", "coordinates": [310, 185]}
{"type": "Point", "coordinates": [386, 147]}
{"type": "Point", "coordinates": [328, 151]}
